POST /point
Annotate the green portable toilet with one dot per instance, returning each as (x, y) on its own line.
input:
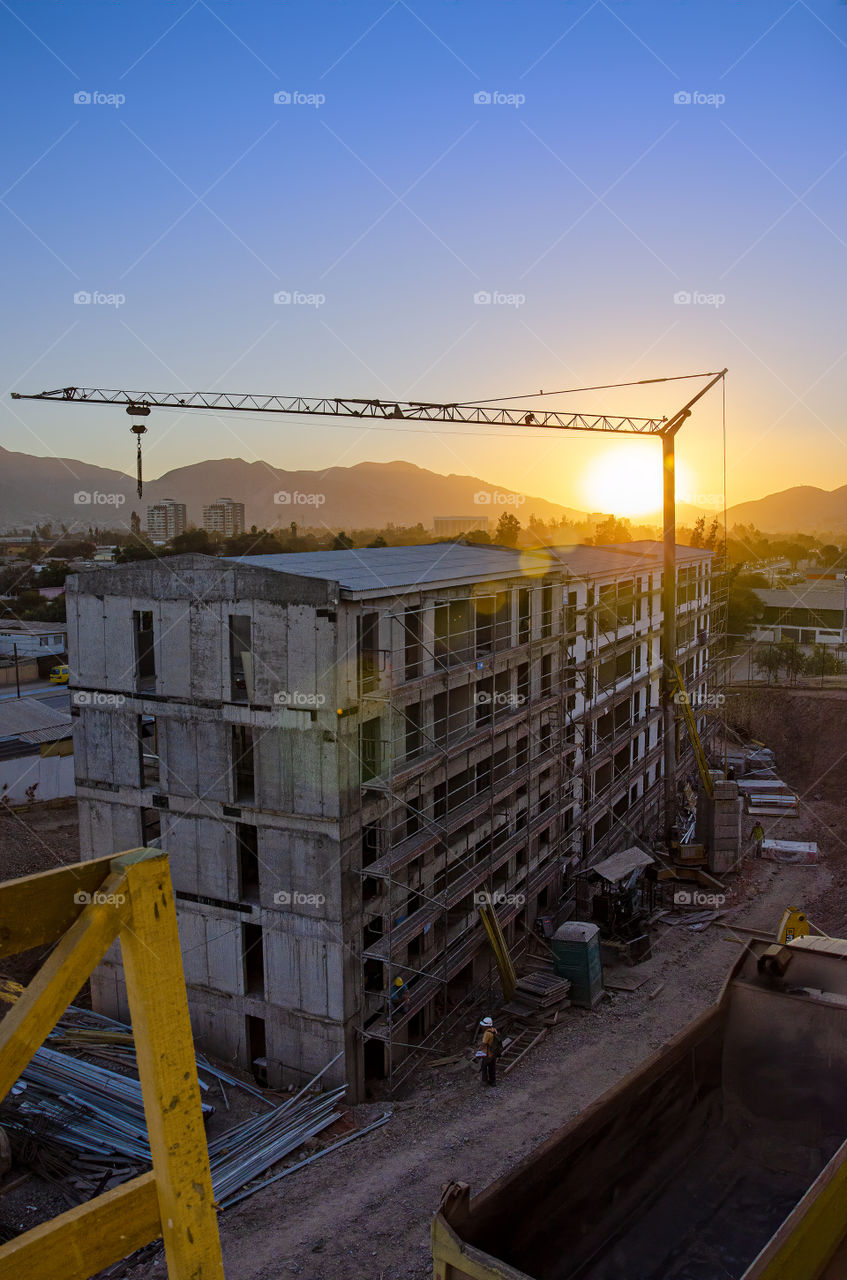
(576, 956)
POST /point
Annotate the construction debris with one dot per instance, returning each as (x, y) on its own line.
(799, 853)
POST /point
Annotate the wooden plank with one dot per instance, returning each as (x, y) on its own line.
(38, 1009)
(155, 986)
(89, 1237)
(38, 909)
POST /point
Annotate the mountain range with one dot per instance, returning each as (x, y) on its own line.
(367, 495)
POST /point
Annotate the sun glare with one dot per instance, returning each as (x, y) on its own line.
(627, 481)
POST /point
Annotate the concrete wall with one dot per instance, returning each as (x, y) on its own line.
(54, 776)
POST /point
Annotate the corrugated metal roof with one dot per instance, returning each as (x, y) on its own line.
(52, 733)
(389, 568)
(27, 715)
(803, 596)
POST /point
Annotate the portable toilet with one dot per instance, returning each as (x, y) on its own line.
(576, 956)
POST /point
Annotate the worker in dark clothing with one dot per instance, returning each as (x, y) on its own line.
(491, 1049)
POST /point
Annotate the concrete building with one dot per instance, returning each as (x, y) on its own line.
(166, 519)
(454, 526)
(225, 517)
(812, 613)
(341, 750)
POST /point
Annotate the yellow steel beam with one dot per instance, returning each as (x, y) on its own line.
(36, 1012)
(167, 1068)
(506, 969)
(38, 909)
(78, 1244)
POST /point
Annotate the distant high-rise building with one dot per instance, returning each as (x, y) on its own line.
(452, 526)
(225, 517)
(135, 523)
(166, 519)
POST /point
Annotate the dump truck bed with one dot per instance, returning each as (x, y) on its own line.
(721, 1158)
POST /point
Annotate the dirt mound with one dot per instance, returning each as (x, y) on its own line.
(807, 729)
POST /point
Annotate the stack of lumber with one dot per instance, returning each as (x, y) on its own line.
(538, 995)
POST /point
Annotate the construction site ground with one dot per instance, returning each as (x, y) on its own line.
(363, 1213)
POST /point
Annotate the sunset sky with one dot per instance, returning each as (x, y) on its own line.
(581, 163)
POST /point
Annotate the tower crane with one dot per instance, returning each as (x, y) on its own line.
(138, 405)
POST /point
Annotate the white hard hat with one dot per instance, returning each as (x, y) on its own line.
(486, 1022)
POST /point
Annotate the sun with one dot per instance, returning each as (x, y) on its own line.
(626, 480)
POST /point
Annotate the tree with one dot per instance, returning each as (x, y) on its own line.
(258, 542)
(341, 542)
(793, 659)
(612, 530)
(712, 538)
(743, 606)
(508, 528)
(823, 662)
(378, 541)
(768, 660)
(698, 533)
(200, 541)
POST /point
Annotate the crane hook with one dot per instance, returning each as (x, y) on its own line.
(138, 429)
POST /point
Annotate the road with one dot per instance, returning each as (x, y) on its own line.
(52, 695)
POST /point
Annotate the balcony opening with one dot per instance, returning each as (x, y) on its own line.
(247, 842)
(240, 658)
(367, 638)
(151, 828)
(148, 750)
(144, 650)
(243, 772)
(257, 1049)
(253, 957)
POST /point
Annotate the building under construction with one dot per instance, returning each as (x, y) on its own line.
(341, 751)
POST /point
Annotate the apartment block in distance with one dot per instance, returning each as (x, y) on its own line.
(225, 517)
(166, 519)
(341, 751)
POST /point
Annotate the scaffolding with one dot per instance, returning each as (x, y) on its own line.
(507, 736)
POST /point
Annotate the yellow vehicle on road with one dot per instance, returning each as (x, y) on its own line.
(59, 675)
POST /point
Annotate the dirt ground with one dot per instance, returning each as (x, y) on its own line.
(363, 1213)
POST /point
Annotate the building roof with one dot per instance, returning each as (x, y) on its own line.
(33, 628)
(23, 717)
(389, 568)
(803, 596)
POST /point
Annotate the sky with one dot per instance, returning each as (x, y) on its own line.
(438, 200)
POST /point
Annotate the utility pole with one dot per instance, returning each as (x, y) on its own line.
(17, 673)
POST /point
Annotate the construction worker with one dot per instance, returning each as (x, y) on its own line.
(758, 834)
(491, 1049)
(398, 994)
